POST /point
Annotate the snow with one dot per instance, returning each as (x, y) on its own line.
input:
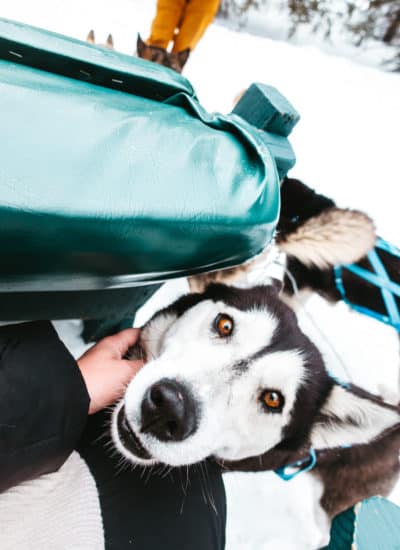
(272, 20)
(347, 147)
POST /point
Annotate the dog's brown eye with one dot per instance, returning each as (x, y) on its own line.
(223, 325)
(272, 400)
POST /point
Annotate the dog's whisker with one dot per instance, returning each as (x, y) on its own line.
(184, 487)
(207, 485)
(165, 471)
(202, 484)
(150, 471)
(187, 478)
(122, 465)
(210, 495)
(109, 445)
(102, 436)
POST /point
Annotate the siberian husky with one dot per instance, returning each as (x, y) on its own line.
(231, 377)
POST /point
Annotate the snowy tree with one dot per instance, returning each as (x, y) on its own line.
(377, 19)
(230, 8)
(360, 20)
(366, 19)
(320, 15)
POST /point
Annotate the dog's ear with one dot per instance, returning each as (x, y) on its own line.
(110, 42)
(153, 332)
(336, 236)
(141, 46)
(351, 416)
(90, 37)
(183, 56)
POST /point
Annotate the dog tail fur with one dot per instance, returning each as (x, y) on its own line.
(336, 236)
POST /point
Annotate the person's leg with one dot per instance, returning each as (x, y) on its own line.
(168, 16)
(197, 17)
(181, 509)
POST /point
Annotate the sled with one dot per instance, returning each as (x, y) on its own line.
(373, 524)
(114, 179)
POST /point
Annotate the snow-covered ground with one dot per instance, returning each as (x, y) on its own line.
(347, 147)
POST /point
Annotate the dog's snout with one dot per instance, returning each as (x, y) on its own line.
(168, 411)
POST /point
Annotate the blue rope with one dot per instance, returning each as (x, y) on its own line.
(381, 279)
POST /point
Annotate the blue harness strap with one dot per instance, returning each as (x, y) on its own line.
(290, 471)
(389, 289)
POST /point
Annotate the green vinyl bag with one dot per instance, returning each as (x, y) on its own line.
(113, 178)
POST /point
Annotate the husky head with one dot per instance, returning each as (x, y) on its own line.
(172, 60)
(230, 375)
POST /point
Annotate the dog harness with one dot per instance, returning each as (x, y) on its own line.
(306, 464)
(379, 277)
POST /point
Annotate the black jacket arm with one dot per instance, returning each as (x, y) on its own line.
(43, 402)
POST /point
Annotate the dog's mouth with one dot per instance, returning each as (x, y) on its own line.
(128, 437)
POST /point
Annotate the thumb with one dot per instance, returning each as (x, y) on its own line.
(124, 340)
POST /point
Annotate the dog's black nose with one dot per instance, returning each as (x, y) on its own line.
(168, 411)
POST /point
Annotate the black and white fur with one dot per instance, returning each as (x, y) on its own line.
(316, 236)
(216, 384)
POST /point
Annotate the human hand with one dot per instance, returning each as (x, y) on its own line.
(104, 370)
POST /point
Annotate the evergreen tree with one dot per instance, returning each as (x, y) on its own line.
(230, 8)
(363, 19)
(318, 14)
(379, 20)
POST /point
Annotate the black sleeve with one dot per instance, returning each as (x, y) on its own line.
(43, 402)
